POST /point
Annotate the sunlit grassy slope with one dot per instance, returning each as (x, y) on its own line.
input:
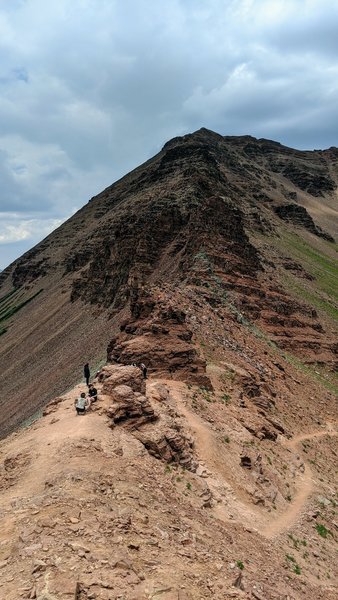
(11, 303)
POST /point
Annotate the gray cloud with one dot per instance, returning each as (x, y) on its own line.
(91, 88)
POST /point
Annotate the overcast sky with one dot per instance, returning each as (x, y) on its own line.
(89, 89)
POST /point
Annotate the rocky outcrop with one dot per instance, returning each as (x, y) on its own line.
(314, 180)
(130, 408)
(169, 445)
(115, 376)
(157, 335)
(165, 236)
(126, 388)
(298, 215)
(25, 272)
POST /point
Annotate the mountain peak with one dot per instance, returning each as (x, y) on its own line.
(208, 208)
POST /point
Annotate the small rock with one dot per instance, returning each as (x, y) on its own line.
(39, 565)
(324, 501)
(74, 520)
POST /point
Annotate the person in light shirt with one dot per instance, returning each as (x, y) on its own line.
(82, 404)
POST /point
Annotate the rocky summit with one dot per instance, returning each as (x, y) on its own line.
(214, 265)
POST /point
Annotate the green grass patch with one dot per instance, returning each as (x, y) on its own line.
(313, 297)
(290, 558)
(8, 295)
(206, 394)
(225, 398)
(9, 302)
(322, 530)
(14, 308)
(296, 362)
(295, 567)
(320, 265)
(322, 292)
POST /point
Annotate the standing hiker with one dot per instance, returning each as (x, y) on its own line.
(82, 404)
(144, 370)
(86, 372)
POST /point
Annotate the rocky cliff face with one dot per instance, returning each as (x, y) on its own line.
(299, 216)
(158, 335)
(245, 224)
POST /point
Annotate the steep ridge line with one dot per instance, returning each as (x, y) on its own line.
(199, 218)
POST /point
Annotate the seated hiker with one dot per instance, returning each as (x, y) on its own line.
(82, 404)
(92, 392)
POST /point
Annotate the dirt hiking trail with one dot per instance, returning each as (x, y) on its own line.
(64, 427)
(306, 486)
(269, 527)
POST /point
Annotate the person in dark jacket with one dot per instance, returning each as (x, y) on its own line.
(144, 370)
(86, 372)
(92, 392)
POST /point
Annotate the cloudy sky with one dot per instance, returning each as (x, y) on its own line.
(89, 89)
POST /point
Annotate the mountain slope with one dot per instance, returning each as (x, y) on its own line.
(224, 215)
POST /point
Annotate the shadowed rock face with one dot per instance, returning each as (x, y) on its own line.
(170, 232)
(299, 216)
(314, 179)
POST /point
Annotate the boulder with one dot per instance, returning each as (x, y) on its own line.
(158, 392)
(118, 375)
(133, 409)
(169, 445)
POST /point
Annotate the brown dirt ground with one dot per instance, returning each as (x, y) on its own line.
(86, 512)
